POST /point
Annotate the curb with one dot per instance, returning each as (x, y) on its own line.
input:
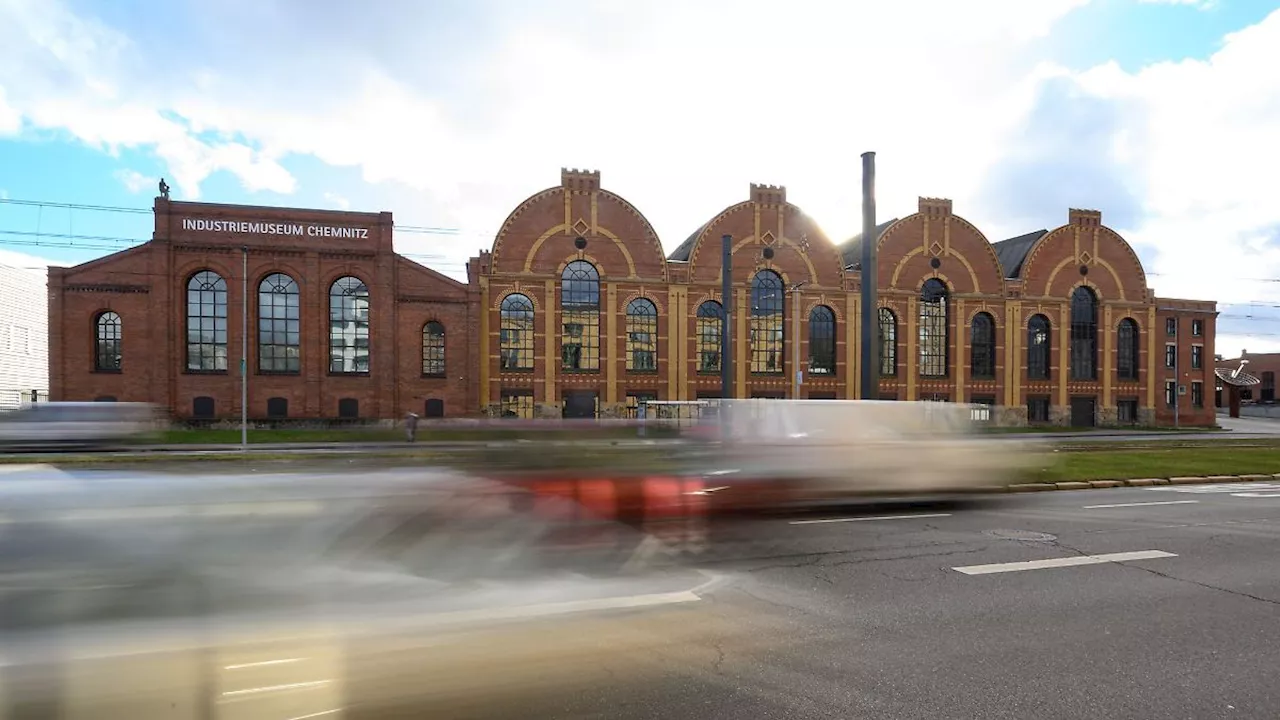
(1137, 482)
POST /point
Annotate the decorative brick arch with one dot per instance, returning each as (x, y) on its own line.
(578, 208)
(1085, 242)
(908, 246)
(516, 289)
(647, 294)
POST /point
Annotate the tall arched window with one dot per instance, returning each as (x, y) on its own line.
(1084, 334)
(642, 335)
(580, 314)
(206, 322)
(1127, 349)
(888, 343)
(348, 326)
(710, 325)
(822, 341)
(433, 349)
(982, 344)
(515, 344)
(107, 343)
(279, 330)
(935, 315)
(1038, 344)
(767, 296)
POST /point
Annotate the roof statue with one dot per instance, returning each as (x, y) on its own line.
(164, 189)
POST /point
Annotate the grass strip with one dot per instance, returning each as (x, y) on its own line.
(1157, 463)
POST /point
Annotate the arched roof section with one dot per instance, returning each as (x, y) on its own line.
(801, 251)
(541, 234)
(1083, 250)
(934, 242)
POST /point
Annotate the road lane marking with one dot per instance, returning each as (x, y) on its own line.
(1063, 562)
(1141, 504)
(869, 519)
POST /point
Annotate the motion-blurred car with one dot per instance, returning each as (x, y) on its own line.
(77, 424)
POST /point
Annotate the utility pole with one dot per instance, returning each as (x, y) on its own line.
(870, 316)
(726, 330)
(797, 376)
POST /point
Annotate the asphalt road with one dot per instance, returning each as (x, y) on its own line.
(867, 616)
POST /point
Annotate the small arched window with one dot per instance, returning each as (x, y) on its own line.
(433, 349)
(107, 341)
(642, 335)
(822, 341)
(1127, 349)
(982, 344)
(767, 296)
(206, 322)
(279, 328)
(935, 335)
(1084, 334)
(515, 343)
(710, 327)
(348, 326)
(1038, 344)
(888, 343)
(580, 315)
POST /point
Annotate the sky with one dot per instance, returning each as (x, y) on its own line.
(1159, 113)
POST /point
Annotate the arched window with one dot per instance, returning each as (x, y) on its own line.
(710, 325)
(1127, 349)
(348, 326)
(1084, 334)
(206, 322)
(983, 346)
(888, 343)
(767, 296)
(515, 343)
(822, 341)
(580, 314)
(106, 343)
(1038, 344)
(642, 335)
(433, 349)
(279, 330)
(935, 315)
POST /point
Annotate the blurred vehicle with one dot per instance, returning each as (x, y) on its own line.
(135, 595)
(77, 424)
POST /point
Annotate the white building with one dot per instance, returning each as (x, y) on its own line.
(24, 331)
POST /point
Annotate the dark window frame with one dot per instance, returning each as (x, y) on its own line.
(1039, 347)
(108, 342)
(768, 335)
(935, 327)
(279, 312)
(888, 339)
(580, 318)
(982, 346)
(433, 350)
(350, 335)
(642, 336)
(1128, 347)
(822, 341)
(1084, 334)
(517, 325)
(709, 327)
(206, 317)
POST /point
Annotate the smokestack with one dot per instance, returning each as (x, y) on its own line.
(726, 329)
(870, 317)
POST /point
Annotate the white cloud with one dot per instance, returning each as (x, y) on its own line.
(4, 194)
(10, 118)
(1201, 4)
(337, 201)
(135, 181)
(28, 262)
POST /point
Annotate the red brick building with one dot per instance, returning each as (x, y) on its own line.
(338, 324)
(576, 310)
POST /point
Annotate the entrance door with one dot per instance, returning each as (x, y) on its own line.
(580, 404)
(1083, 411)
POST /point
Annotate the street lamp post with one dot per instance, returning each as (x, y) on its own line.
(796, 375)
(244, 349)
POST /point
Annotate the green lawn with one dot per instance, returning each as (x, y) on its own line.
(1163, 463)
(367, 435)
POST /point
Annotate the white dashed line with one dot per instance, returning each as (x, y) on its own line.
(1073, 561)
(868, 519)
(1142, 504)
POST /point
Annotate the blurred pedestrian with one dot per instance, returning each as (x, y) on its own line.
(410, 426)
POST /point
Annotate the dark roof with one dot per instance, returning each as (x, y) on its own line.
(685, 249)
(1013, 252)
(851, 249)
